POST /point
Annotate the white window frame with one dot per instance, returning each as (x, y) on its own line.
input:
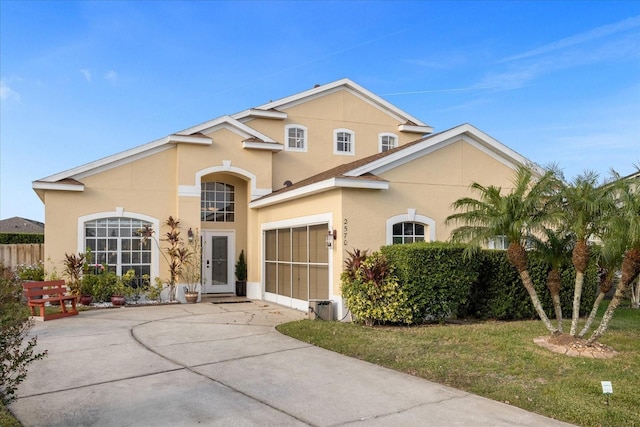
(381, 136)
(411, 216)
(352, 151)
(120, 213)
(498, 242)
(304, 138)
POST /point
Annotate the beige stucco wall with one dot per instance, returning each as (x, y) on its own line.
(146, 186)
(150, 186)
(429, 185)
(321, 117)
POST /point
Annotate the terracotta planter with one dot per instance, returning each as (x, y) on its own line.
(117, 300)
(191, 297)
(86, 299)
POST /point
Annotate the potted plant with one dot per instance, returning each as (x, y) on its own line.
(86, 288)
(119, 288)
(241, 275)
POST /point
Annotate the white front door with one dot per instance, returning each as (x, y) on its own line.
(218, 254)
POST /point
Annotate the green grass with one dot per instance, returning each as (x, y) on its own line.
(499, 360)
(6, 418)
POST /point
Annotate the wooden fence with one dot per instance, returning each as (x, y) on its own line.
(13, 255)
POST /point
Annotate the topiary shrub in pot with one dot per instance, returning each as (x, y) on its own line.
(241, 275)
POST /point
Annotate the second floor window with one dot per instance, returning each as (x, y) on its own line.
(344, 142)
(387, 142)
(217, 202)
(296, 138)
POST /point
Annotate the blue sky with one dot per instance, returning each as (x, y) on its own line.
(555, 81)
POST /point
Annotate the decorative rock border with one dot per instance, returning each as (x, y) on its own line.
(577, 347)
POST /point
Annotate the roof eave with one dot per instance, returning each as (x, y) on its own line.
(319, 187)
(257, 113)
(265, 146)
(422, 130)
(57, 186)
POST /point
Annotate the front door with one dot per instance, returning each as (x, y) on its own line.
(218, 253)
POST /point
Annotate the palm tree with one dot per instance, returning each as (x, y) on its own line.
(584, 205)
(625, 224)
(554, 249)
(609, 257)
(515, 215)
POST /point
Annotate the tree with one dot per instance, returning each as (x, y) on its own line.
(584, 205)
(624, 225)
(609, 256)
(517, 215)
(554, 249)
(15, 354)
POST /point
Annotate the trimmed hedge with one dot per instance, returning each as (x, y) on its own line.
(499, 293)
(442, 283)
(436, 276)
(18, 238)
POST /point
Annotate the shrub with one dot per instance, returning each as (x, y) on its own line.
(20, 238)
(499, 293)
(436, 277)
(15, 354)
(371, 291)
(31, 272)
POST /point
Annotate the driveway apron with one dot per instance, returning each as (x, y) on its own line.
(225, 365)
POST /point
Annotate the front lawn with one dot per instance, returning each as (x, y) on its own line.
(500, 361)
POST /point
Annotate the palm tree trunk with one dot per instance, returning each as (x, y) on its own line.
(580, 257)
(517, 256)
(577, 297)
(553, 284)
(606, 282)
(528, 284)
(592, 315)
(630, 270)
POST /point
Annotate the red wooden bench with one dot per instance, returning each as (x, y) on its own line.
(40, 293)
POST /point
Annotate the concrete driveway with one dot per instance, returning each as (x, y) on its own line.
(225, 365)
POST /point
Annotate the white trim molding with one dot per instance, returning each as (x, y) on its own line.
(195, 190)
(319, 187)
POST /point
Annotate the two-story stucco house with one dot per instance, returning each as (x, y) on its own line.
(295, 183)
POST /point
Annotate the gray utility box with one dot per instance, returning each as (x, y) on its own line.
(320, 309)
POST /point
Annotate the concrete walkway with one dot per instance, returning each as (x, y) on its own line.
(225, 365)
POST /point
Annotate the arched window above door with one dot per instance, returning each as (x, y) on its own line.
(217, 202)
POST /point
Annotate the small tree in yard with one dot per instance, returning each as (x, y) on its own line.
(584, 207)
(15, 354)
(177, 255)
(518, 214)
(623, 225)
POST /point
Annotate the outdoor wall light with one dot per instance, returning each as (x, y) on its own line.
(331, 236)
(190, 235)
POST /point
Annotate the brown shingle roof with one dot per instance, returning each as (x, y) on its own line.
(21, 225)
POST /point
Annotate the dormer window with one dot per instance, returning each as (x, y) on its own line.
(296, 138)
(387, 141)
(344, 142)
